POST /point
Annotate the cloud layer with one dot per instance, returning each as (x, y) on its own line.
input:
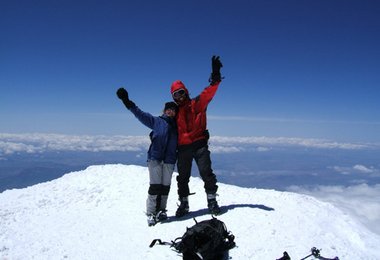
(361, 201)
(36, 143)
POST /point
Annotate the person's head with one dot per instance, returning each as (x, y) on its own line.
(179, 92)
(170, 109)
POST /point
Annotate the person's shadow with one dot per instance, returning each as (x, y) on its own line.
(223, 210)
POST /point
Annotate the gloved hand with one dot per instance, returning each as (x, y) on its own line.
(123, 95)
(216, 64)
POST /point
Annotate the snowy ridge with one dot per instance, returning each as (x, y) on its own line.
(98, 213)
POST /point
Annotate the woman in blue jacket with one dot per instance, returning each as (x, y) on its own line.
(162, 154)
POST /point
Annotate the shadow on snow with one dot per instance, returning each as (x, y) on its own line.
(223, 210)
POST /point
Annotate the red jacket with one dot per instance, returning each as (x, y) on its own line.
(191, 117)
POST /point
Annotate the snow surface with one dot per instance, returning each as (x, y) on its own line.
(98, 213)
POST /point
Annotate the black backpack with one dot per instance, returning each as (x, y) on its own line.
(207, 240)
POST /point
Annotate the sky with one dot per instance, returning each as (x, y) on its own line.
(98, 213)
(302, 69)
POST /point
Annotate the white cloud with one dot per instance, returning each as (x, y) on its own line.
(361, 201)
(341, 170)
(35, 143)
(263, 149)
(225, 149)
(285, 141)
(356, 169)
(362, 168)
(14, 147)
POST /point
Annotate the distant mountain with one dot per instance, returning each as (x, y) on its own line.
(98, 213)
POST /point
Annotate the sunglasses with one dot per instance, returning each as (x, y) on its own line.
(179, 93)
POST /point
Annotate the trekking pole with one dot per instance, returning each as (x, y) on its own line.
(306, 257)
(314, 252)
(324, 258)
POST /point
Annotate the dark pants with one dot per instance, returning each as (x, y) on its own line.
(200, 153)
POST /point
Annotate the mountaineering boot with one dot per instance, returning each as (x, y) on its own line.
(151, 220)
(212, 204)
(161, 216)
(183, 208)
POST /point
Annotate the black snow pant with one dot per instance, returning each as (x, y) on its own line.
(200, 153)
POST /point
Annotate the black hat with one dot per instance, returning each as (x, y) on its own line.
(171, 105)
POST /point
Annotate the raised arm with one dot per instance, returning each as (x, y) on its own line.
(145, 118)
(215, 78)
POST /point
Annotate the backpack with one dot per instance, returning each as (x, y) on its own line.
(207, 240)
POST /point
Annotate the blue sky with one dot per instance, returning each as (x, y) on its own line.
(308, 69)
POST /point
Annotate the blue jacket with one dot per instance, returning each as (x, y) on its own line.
(164, 135)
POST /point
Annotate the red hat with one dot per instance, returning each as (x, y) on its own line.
(177, 85)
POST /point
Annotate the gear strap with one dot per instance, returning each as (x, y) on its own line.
(160, 242)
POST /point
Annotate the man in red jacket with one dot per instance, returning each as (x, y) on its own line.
(193, 139)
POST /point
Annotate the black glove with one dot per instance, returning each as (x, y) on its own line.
(123, 95)
(215, 74)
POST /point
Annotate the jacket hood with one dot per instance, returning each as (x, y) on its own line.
(177, 85)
